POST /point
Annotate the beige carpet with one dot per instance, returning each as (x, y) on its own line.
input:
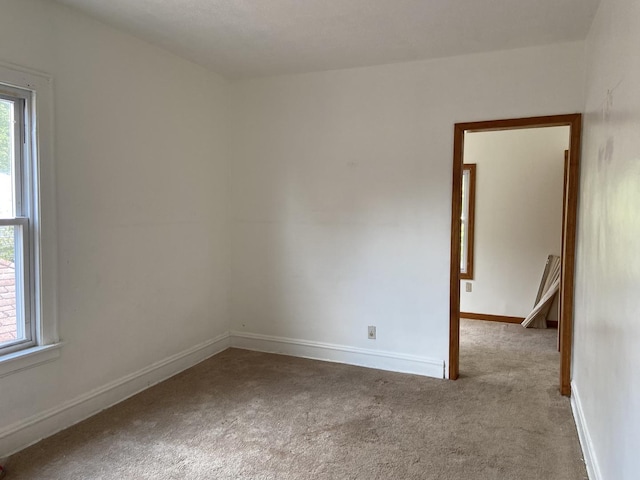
(248, 415)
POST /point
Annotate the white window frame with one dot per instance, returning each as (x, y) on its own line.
(24, 196)
(40, 228)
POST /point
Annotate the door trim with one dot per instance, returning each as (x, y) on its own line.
(574, 121)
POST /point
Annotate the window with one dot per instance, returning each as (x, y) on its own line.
(16, 205)
(467, 220)
(28, 333)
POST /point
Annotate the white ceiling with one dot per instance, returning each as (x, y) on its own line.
(247, 38)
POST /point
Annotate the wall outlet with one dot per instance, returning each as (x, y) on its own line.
(372, 333)
(467, 287)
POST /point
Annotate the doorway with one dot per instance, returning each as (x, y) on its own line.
(565, 326)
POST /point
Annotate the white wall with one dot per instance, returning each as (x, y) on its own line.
(518, 216)
(341, 191)
(606, 382)
(140, 150)
(340, 186)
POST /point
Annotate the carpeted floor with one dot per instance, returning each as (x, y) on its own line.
(249, 415)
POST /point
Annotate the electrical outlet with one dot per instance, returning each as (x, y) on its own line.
(468, 286)
(372, 333)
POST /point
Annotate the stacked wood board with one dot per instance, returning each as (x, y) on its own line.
(549, 286)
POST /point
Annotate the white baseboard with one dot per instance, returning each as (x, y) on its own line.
(21, 434)
(381, 360)
(590, 459)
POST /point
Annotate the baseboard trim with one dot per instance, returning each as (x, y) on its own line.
(362, 357)
(590, 459)
(491, 318)
(20, 435)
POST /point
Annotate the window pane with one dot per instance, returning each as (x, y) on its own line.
(466, 220)
(463, 220)
(10, 329)
(465, 199)
(463, 250)
(7, 147)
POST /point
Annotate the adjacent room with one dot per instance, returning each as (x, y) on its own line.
(517, 222)
(228, 247)
(514, 186)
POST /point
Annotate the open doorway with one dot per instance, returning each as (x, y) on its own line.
(567, 250)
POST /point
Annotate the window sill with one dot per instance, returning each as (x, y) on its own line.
(27, 358)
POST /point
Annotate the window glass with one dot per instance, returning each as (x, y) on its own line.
(7, 154)
(467, 220)
(16, 242)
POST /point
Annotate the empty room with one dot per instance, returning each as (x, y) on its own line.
(232, 240)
